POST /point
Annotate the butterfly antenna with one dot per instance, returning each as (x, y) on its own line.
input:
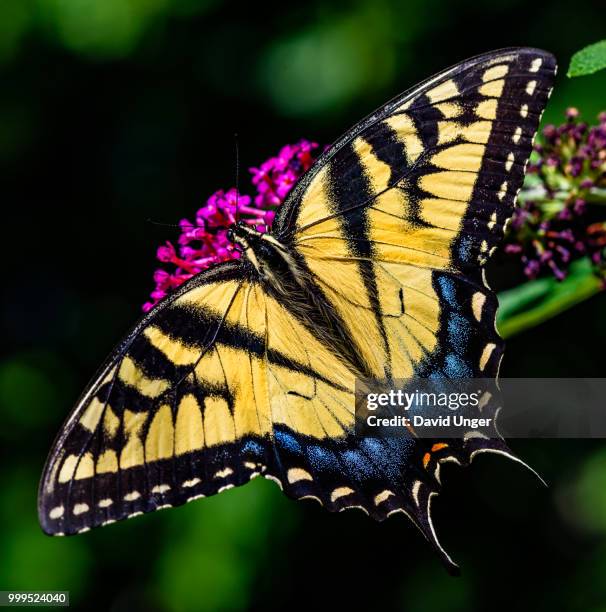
(161, 223)
(237, 173)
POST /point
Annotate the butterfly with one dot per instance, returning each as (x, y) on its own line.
(373, 269)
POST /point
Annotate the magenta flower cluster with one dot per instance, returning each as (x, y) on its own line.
(204, 241)
(560, 214)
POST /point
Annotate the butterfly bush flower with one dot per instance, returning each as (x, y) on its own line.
(204, 241)
(560, 216)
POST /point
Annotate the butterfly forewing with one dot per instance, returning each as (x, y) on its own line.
(405, 210)
(187, 405)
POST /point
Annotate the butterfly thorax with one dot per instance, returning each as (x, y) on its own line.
(270, 260)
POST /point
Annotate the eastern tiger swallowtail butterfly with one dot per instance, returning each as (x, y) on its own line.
(373, 268)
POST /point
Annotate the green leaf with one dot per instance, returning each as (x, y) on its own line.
(588, 60)
(536, 301)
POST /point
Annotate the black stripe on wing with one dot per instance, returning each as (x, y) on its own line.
(349, 191)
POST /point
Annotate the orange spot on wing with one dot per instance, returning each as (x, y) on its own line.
(438, 446)
(426, 459)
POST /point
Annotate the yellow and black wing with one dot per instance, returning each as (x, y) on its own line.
(186, 406)
(394, 224)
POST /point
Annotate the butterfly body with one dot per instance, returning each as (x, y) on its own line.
(269, 259)
(270, 262)
(373, 269)
(284, 275)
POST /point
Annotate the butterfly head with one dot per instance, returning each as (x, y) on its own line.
(243, 235)
(249, 242)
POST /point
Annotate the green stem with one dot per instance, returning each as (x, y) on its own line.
(537, 301)
(597, 196)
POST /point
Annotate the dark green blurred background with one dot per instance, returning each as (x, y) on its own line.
(116, 111)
